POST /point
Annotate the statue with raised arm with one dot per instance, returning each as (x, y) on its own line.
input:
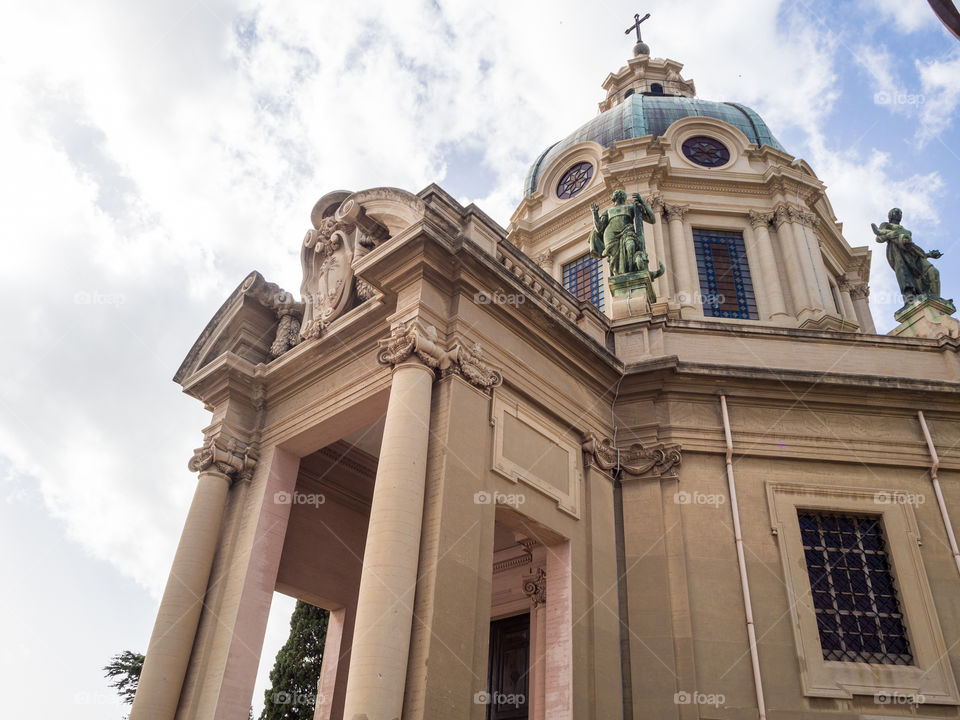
(916, 275)
(618, 235)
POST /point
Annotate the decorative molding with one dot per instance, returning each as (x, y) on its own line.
(781, 215)
(228, 456)
(535, 587)
(423, 341)
(533, 283)
(513, 562)
(654, 461)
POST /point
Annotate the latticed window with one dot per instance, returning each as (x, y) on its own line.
(725, 286)
(584, 278)
(854, 597)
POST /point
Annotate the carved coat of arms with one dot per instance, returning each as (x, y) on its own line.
(327, 259)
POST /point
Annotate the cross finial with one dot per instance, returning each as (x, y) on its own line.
(636, 25)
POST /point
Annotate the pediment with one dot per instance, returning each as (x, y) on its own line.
(245, 325)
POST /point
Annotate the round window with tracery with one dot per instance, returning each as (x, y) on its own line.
(574, 180)
(706, 151)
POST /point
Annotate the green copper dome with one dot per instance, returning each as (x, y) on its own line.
(640, 115)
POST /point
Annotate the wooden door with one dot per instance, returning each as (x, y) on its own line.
(508, 688)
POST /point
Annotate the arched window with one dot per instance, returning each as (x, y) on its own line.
(628, 93)
(656, 89)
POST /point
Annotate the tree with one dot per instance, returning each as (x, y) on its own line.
(123, 671)
(296, 671)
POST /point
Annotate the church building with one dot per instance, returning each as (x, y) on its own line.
(641, 454)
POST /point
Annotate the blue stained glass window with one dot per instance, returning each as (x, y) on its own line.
(854, 598)
(725, 286)
(584, 278)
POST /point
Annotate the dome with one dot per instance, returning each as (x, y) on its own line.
(640, 115)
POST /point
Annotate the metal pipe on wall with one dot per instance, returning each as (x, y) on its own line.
(934, 467)
(741, 561)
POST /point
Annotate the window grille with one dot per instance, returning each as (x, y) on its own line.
(854, 597)
(584, 278)
(725, 286)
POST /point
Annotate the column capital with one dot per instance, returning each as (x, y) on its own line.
(656, 202)
(760, 219)
(675, 212)
(413, 339)
(225, 455)
(859, 291)
(781, 215)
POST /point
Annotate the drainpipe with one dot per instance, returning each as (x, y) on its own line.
(741, 561)
(935, 459)
(626, 674)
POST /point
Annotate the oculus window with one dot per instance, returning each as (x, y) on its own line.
(584, 278)
(725, 286)
(858, 612)
(574, 180)
(706, 151)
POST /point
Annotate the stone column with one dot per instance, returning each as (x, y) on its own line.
(791, 257)
(684, 289)
(545, 261)
(388, 580)
(767, 265)
(535, 588)
(808, 259)
(661, 284)
(849, 312)
(381, 641)
(859, 294)
(165, 665)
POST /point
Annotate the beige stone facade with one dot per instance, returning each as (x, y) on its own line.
(439, 435)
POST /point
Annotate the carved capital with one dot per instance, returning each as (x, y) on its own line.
(859, 291)
(760, 219)
(781, 215)
(545, 260)
(675, 212)
(656, 202)
(639, 460)
(227, 456)
(535, 587)
(423, 342)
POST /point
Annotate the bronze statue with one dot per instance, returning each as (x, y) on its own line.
(916, 275)
(618, 235)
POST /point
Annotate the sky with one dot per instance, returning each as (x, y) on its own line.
(154, 154)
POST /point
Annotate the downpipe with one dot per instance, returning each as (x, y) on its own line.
(741, 561)
(934, 468)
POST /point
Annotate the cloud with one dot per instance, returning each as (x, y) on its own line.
(940, 87)
(907, 16)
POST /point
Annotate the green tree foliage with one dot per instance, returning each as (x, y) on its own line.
(123, 671)
(293, 680)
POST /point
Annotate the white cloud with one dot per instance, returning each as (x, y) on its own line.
(940, 87)
(907, 16)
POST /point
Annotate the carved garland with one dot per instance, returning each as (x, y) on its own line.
(423, 342)
(655, 461)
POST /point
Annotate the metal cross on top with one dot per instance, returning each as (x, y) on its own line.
(636, 25)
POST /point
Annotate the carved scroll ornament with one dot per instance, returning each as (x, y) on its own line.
(638, 459)
(535, 587)
(422, 341)
(227, 456)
